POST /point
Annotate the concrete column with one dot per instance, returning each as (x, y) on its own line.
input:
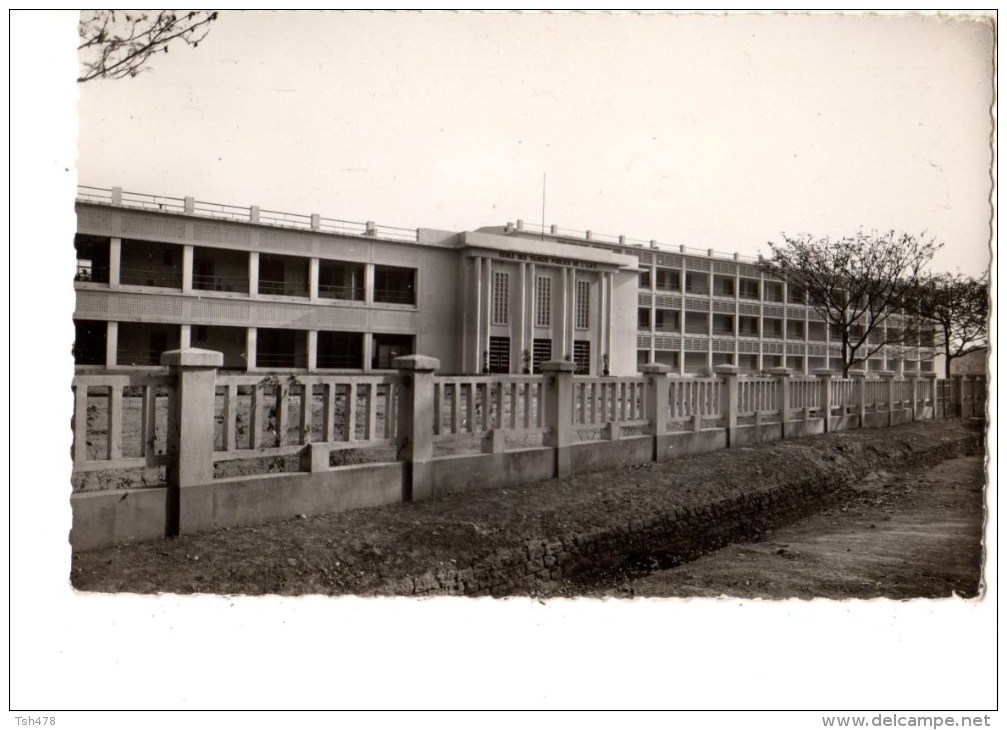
(251, 345)
(487, 310)
(656, 403)
(116, 196)
(111, 343)
(312, 350)
(610, 285)
(572, 312)
(825, 376)
(253, 274)
(860, 376)
(522, 316)
(185, 336)
(889, 376)
(190, 439)
(189, 204)
(114, 262)
(479, 315)
(368, 351)
(729, 402)
(313, 279)
(565, 298)
(783, 396)
(652, 355)
(532, 304)
(187, 252)
(368, 284)
(558, 389)
(416, 418)
(253, 214)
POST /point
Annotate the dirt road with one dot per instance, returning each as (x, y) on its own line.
(917, 534)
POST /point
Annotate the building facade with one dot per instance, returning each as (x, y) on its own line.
(279, 291)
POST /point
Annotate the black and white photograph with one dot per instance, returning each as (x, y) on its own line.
(435, 342)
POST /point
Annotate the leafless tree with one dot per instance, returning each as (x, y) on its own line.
(119, 44)
(855, 283)
(958, 308)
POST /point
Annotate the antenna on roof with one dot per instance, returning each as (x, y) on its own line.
(543, 206)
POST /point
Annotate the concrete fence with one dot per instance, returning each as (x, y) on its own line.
(194, 419)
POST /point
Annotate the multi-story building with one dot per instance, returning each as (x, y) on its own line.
(279, 291)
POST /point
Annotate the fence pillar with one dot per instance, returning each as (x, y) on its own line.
(968, 396)
(559, 412)
(956, 397)
(860, 376)
(782, 397)
(189, 204)
(914, 379)
(825, 376)
(656, 400)
(190, 439)
(889, 376)
(416, 424)
(932, 392)
(729, 405)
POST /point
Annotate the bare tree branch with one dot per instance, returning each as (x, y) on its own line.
(958, 309)
(856, 283)
(119, 44)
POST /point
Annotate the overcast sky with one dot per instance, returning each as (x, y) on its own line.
(715, 132)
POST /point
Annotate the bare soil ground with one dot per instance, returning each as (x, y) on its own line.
(911, 535)
(369, 551)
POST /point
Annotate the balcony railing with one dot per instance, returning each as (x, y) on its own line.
(395, 296)
(331, 291)
(270, 287)
(220, 283)
(150, 277)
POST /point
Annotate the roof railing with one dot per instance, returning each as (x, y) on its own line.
(242, 214)
(589, 237)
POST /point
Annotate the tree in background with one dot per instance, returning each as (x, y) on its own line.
(855, 283)
(958, 307)
(119, 44)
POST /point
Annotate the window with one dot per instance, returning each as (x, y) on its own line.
(543, 301)
(668, 280)
(540, 353)
(394, 285)
(643, 319)
(499, 358)
(583, 305)
(582, 357)
(645, 280)
(501, 297)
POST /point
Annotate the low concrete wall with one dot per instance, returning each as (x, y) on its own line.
(596, 455)
(844, 423)
(247, 500)
(113, 517)
(876, 420)
(703, 442)
(901, 416)
(811, 427)
(752, 435)
(451, 474)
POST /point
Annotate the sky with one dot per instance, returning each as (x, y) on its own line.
(704, 130)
